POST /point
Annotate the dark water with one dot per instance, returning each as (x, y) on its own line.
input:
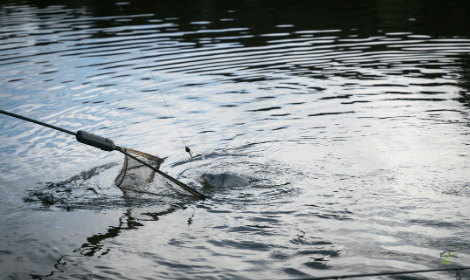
(350, 118)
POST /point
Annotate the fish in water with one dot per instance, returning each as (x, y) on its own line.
(224, 180)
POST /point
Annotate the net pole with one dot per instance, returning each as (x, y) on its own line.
(107, 145)
(37, 122)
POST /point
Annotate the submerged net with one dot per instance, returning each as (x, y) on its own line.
(136, 179)
(134, 176)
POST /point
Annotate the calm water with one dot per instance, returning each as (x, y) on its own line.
(351, 120)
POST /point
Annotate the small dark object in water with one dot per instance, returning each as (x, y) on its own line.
(93, 190)
(224, 180)
(48, 200)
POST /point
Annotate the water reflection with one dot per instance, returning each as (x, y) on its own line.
(464, 80)
(96, 244)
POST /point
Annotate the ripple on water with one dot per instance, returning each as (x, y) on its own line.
(352, 133)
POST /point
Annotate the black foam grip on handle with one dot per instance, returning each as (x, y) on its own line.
(104, 144)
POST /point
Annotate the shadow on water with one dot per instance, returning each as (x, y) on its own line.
(94, 247)
(464, 80)
(63, 193)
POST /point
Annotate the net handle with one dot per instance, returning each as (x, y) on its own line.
(106, 145)
(184, 186)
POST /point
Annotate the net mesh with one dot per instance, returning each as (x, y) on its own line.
(135, 177)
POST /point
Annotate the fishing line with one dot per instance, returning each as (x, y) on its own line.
(155, 80)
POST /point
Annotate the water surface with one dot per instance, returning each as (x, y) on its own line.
(351, 120)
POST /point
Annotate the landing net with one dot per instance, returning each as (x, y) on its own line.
(136, 179)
